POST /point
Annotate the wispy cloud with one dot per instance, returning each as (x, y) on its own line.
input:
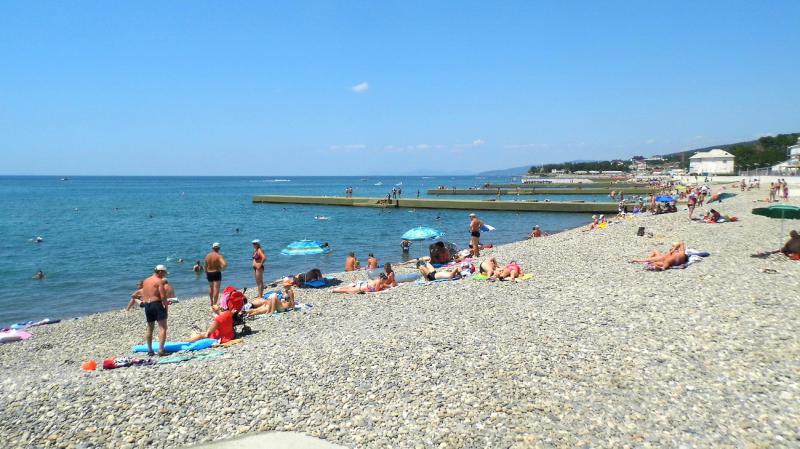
(361, 88)
(478, 142)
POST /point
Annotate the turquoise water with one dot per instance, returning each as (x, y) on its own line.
(102, 234)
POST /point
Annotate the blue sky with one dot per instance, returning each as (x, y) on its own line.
(325, 87)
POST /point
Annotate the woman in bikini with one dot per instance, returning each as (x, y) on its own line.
(276, 302)
(258, 265)
(372, 286)
(512, 271)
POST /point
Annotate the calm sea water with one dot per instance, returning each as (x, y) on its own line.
(103, 234)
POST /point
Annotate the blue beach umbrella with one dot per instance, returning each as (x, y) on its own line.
(664, 199)
(305, 248)
(487, 227)
(422, 233)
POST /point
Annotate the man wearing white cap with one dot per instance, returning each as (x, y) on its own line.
(215, 264)
(475, 234)
(154, 300)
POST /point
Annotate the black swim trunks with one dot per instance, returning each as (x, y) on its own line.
(475, 233)
(214, 276)
(154, 311)
(431, 276)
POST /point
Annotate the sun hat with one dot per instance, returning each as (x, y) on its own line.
(216, 245)
(161, 268)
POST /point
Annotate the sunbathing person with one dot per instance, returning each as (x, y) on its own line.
(310, 275)
(221, 328)
(439, 253)
(489, 267)
(511, 271)
(712, 216)
(136, 297)
(275, 302)
(372, 286)
(674, 257)
(791, 249)
(390, 278)
(431, 273)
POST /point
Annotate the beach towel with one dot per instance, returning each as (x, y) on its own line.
(483, 277)
(28, 324)
(125, 362)
(176, 346)
(12, 335)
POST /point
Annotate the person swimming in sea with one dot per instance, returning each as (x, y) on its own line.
(39, 275)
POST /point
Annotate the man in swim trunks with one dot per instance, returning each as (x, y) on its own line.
(372, 262)
(475, 234)
(676, 255)
(214, 264)
(430, 272)
(154, 298)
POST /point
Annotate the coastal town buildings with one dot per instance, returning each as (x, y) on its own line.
(713, 162)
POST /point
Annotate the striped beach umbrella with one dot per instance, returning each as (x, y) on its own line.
(305, 248)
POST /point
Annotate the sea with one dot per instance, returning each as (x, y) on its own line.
(100, 235)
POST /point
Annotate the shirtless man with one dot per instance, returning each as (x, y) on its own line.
(675, 256)
(475, 234)
(350, 262)
(372, 262)
(215, 264)
(154, 298)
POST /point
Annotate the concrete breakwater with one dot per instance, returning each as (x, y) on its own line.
(467, 204)
(530, 190)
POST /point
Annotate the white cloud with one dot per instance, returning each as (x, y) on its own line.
(478, 142)
(361, 88)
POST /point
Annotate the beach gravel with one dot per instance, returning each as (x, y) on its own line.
(592, 352)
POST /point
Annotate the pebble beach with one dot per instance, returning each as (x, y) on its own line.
(593, 351)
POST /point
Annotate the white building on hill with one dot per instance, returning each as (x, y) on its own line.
(792, 165)
(714, 162)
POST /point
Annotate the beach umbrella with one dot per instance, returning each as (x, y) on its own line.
(422, 233)
(487, 227)
(721, 196)
(305, 248)
(664, 199)
(782, 211)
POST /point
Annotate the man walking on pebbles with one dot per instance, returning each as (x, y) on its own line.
(154, 298)
(215, 263)
(475, 234)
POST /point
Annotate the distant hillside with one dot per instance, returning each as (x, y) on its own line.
(516, 171)
(764, 152)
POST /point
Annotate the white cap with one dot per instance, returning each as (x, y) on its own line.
(472, 215)
(216, 245)
(161, 268)
(256, 241)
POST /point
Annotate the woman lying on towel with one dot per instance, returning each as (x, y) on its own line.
(672, 258)
(430, 272)
(275, 301)
(373, 286)
(221, 327)
(511, 271)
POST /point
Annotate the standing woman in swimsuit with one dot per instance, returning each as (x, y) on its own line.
(259, 258)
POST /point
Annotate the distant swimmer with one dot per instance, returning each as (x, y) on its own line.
(76, 209)
(215, 263)
(39, 275)
(237, 230)
(38, 239)
(180, 260)
(321, 217)
(197, 268)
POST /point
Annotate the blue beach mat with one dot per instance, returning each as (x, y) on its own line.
(175, 346)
